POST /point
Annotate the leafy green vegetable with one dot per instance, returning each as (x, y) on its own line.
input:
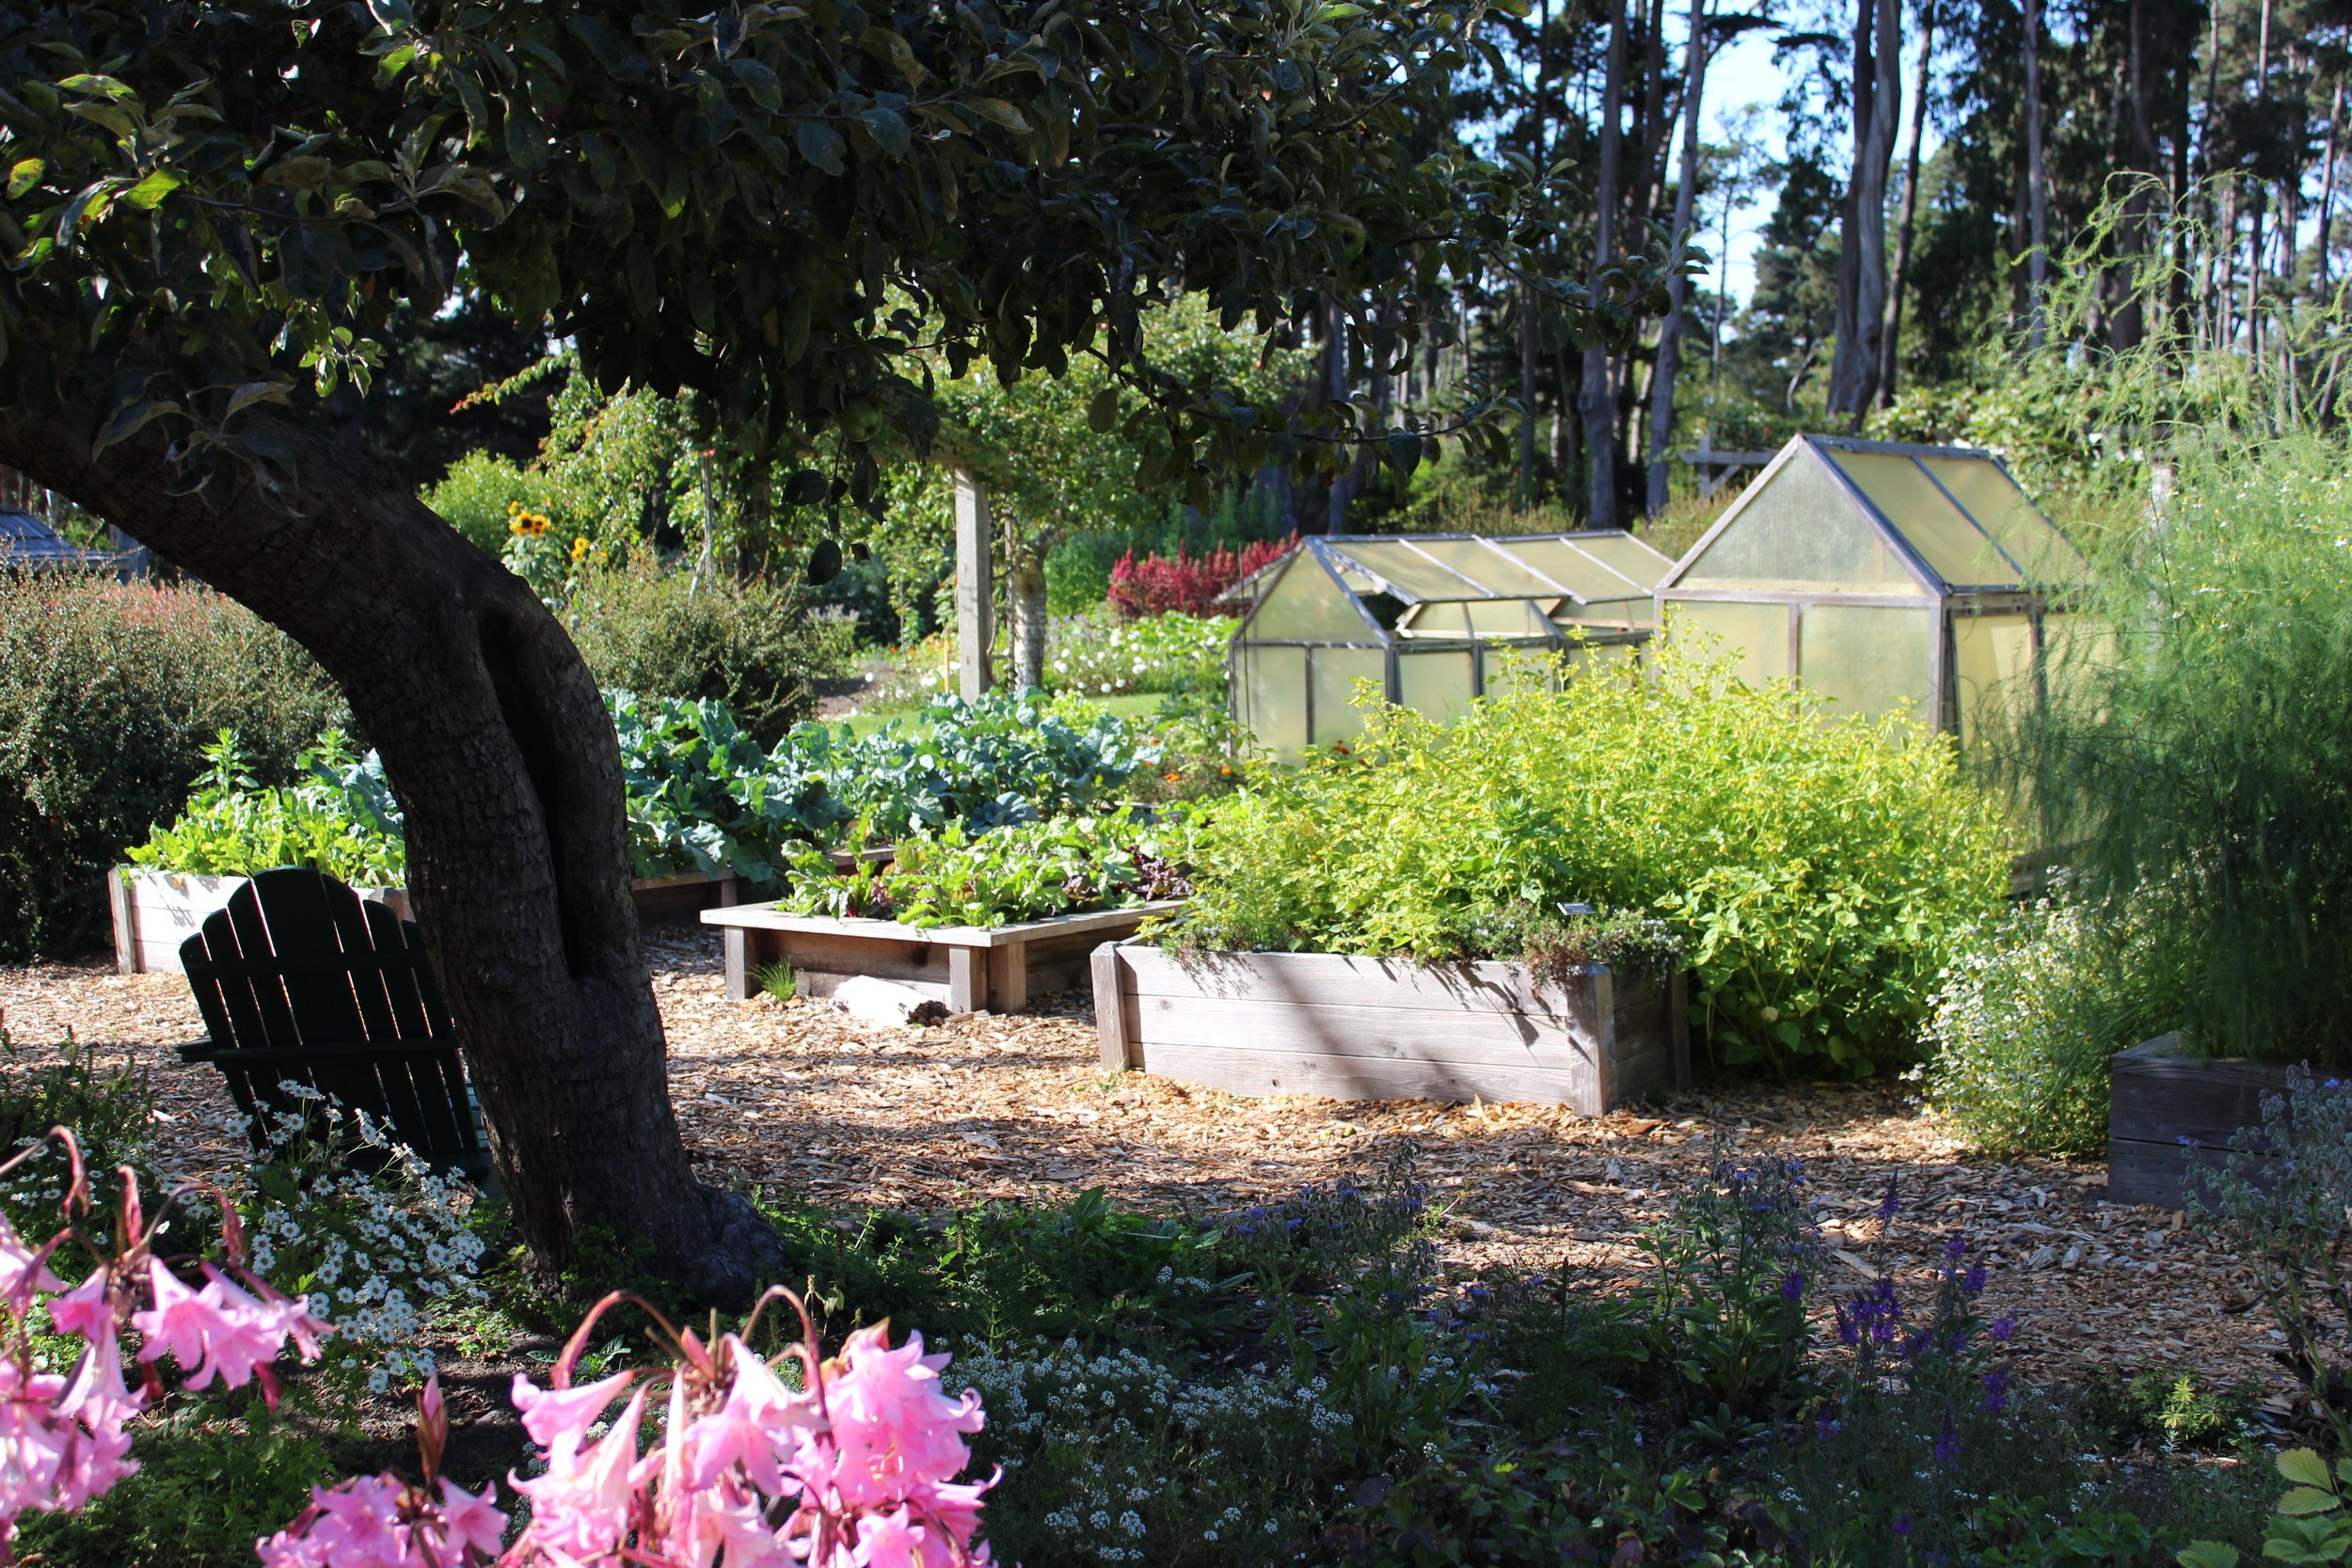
(1028, 872)
(340, 817)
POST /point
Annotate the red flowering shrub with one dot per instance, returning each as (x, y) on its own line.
(1190, 583)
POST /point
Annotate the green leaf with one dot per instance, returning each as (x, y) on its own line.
(1002, 112)
(104, 86)
(2303, 1502)
(889, 130)
(128, 419)
(1103, 411)
(759, 82)
(252, 392)
(22, 174)
(2303, 1467)
(152, 189)
(2206, 1554)
(822, 145)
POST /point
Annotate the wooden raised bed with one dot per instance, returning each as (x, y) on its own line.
(1357, 1028)
(155, 912)
(970, 968)
(2171, 1114)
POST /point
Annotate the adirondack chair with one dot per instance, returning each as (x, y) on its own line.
(298, 980)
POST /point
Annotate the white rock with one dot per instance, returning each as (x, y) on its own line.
(877, 1001)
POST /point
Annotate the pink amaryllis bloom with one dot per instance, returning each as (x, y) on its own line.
(222, 1330)
(384, 1522)
(62, 1439)
(582, 1507)
(88, 1308)
(897, 1432)
(23, 1271)
(557, 1418)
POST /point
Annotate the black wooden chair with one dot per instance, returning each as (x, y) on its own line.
(300, 980)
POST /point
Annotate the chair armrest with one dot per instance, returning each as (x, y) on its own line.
(330, 1050)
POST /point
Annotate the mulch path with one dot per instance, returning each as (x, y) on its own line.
(803, 1099)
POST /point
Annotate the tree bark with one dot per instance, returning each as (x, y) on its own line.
(2037, 206)
(1596, 398)
(1890, 342)
(497, 742)
(1862, 239)
(1027, 589)
(1669, 361)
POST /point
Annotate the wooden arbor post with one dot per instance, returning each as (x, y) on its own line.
(974, 613)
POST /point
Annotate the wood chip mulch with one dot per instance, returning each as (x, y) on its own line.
(805, 1099)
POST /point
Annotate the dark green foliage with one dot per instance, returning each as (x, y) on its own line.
(2175, 1406)
(753, 645)
(2201, 762)
(106, 1107)
(108, 694)
(215, 1474)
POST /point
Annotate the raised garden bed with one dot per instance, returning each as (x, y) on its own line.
(969, 968)
(2171, 1114)
(155, 912)
(1356, 1028)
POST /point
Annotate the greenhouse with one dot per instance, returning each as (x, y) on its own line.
(1885, 575)
(1427, 618)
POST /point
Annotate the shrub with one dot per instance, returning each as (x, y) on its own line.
(1184, 582)
(1025, 872)
(2025, 1019)
(1817, 872)
(108, 694)
(2206, 749)
(480, 495)
(751, 645)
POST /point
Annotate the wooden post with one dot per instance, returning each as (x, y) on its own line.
(975, 616)
(1111, 1012)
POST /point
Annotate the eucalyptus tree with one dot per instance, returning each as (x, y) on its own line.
(210, 207)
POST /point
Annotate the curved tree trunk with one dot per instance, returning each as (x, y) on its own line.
(498, 744)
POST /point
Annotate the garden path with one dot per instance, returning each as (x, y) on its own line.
(801, 1097)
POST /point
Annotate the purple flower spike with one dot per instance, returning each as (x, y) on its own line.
(1972, 1281)
(1792, 1288)
(1948, 1445)
(1902, 1523)
(1888, 1203)
(1996, 1391)
(1955, 1248)
(2003, 1328)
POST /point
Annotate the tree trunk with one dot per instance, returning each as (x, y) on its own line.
(1669, 362)
(1027, 589)
(1891, 342)
(1862, 240)
(2037, 207)
(2328, 194)
(1596, 397)
(497, 742)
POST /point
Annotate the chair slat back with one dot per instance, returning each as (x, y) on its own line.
(297, 960)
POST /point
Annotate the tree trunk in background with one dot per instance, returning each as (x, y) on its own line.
(1891, 342)
(2327, 186)
(1530, 338)
(1596, 397)
(497, 742)
(2037, 205)
(2128, 325)
(1025, 586)
(1669, 363)
(1853, 372)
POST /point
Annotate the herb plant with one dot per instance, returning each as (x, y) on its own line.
(1817, 872)
(338, 817)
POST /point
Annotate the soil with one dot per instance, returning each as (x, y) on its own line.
(801, 1098)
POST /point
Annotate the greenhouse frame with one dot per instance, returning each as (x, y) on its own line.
(1422, 616)
(1880, 573)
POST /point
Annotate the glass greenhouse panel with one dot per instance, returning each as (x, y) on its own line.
(1866, 658)
(1586, 575)
(1756, 634)
(1436, 684)
(1514, 619)
(1490, 569)
(1623, 552)
(1641, 613)
(1306, 606)
(1961, 552)
(1333, 673)
(1802, 532)
(1994, 500)
(1273, 691)
(1992, 663)
(1415, 574)
(1449, 621)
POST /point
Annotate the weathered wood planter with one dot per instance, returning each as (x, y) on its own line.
(155, 912)
(2171, 1115)
(967, 967)
(1389, 1029)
